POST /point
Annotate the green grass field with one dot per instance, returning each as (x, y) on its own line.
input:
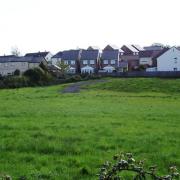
(45, 134)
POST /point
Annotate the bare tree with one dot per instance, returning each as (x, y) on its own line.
(15, 51)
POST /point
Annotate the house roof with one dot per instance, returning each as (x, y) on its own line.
(139, 48)
(58, 55)
(161, 53)
(93, 48)
(71, 54)
(8, 56)
(89, 54)
(131, 48)
(153, 48)
(37, 54)
(114, 54)
(111, 47)
(149, 53)
(6, 59)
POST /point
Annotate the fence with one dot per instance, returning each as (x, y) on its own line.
(163, 74)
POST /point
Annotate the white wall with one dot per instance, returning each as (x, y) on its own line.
(55, 61)
(169, 60)
(9, 67)
(145, 60)
(33, 65)
(48, 57)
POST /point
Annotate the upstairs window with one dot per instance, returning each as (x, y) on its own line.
(113, 62)
(92, 62)
(73, 62)
(85, 62)
(105, 61)
(65, 62)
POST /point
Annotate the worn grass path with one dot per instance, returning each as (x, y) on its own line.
(45, 134)
(76, 87)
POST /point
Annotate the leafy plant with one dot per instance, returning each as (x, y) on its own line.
(126, 162)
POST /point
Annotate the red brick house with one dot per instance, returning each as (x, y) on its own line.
(131, 56)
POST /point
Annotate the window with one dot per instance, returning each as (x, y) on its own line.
(135, 53)
(105, 61)
(113, 62)
(65, 62)
(72, 62)
(85, 62)
(92, 62)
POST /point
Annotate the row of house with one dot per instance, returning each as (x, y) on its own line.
(93, 60)
(9, 64)
(126, 58)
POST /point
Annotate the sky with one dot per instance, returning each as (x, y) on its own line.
(55, 25)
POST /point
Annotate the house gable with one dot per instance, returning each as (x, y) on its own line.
(111, 48)
(169, 60)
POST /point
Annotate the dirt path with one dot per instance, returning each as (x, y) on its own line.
(76, 87)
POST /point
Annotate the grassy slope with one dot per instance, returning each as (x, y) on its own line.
(46, 134)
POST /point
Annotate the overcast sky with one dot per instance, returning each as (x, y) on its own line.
(54, 25)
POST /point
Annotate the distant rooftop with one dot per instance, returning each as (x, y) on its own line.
(139, 48)
(153, 48)
(107, 55)
(131, 48)
(5, 59)
(70, 54)
(89, 54)
(37, 54)
(58, 55)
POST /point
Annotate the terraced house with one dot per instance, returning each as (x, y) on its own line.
(71, 58)
(110, 58)
(131, 56)
(9, 64)
(56, 59)
(89, 61)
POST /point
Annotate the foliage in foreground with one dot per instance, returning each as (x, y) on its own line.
(126, 162)
(48, 135)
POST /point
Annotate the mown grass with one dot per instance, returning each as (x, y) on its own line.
(45, 134)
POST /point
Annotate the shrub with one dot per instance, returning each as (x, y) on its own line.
(74, 78)
(126, 162)
(84, 171)
(35, 75)
(38, 76)
(17, 72)
(2, 85)
(15, 82)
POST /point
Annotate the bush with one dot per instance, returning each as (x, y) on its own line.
(126, 162)
(2, 85)
(15, 82)
(35, 75)
(74, 78)
(17, 72)
(38, 76)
